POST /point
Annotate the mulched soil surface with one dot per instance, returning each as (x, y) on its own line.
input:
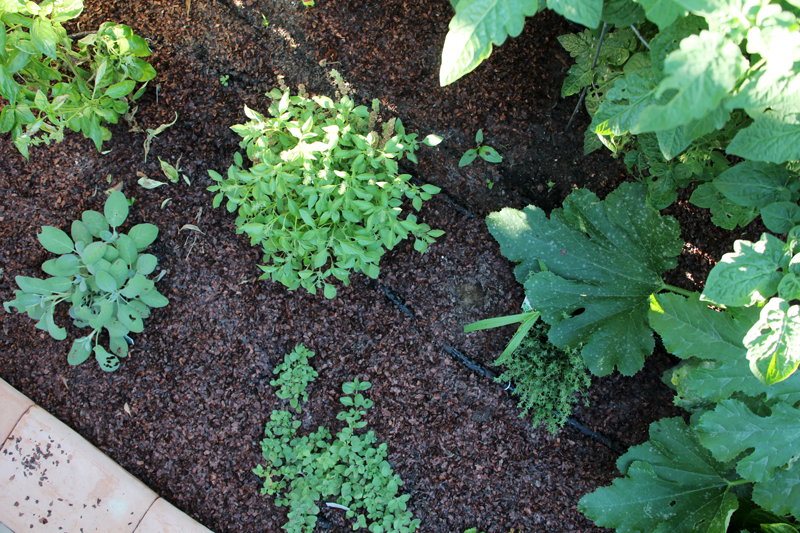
(197, 381)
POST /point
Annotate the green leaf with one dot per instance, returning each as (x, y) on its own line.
(56, 241)
(146, 263)
(604, 260)
(432, 140)
(51, 267)
(128, 316)
(329, 291)
(497, 322)
(80, 351)
(748, 275)
(662, 12)
(622, 13)
(780, 217)
(105, 281)
(586, 12)
(767, 442)
(673, 485)
(81, 233)
(624, 102)
(116, 329)
(143, 235)
(64, 10)
(108, 362)
(8, 88)
(689, 328)
(477, 25)
(764, 91)
(93, 253)
(56, 332)
(767, 139)
(127, 249)
(489, 154)
(726, 214)
(118, 346)
(700, 73)
(153, 298)
(44, 37)
(33, 285)
(773, 343)
(755, 183)
(468, 157)
(781, 493)
(119, 269)
(136, 285)
(116, 209)
(118, 90)
(96, 222)
(103, 316)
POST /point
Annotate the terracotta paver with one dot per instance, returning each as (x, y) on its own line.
(164, 518)
(51, 479)
(13, 405)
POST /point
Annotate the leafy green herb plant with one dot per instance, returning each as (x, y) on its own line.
(295, 373)
(347, 468)
(51, 83)
(547, 378)
(323, 195)
(223, 80)
(487, 153)
(102, 273)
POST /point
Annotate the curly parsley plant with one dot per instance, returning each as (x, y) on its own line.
(102, 274)
(323, 194)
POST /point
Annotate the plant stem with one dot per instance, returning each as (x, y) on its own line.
(737, 482)
(594, 64)
(639, 35)
(677, 290)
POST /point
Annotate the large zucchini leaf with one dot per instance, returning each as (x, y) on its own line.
(603, 260)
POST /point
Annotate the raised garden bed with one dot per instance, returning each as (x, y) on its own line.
(187, 408)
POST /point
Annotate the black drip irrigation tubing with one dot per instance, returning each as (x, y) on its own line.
(406, 169)
(395, 300)
(488, 374)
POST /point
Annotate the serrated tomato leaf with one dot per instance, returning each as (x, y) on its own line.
(476, 26)
(748, 275)
(773, 343)
(700, 74)
(767, 139)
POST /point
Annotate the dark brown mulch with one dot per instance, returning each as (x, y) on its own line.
(197, 381)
